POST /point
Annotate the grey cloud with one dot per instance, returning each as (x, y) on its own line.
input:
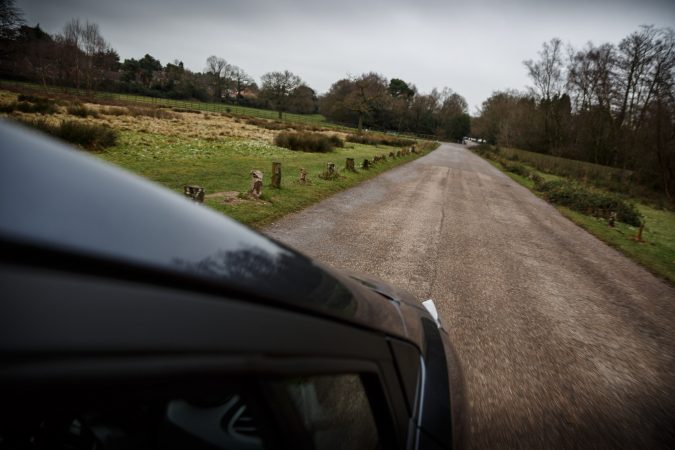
(471, 46)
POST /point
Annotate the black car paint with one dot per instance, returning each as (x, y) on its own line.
(65, 213)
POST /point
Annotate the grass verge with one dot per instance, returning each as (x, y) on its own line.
(224, 166)
(656, 253)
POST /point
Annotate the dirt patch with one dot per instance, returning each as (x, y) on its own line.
(232, 198)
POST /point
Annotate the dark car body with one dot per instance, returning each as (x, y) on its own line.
(134, 318)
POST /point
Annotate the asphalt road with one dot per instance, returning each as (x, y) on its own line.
(564, 342)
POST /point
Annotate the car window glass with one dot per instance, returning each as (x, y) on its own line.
(335, 411)
(210, 417)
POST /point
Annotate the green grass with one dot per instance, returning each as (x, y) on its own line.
(568, 167)
(656, 253)
(224, 165)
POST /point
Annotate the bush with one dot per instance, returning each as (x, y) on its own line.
(486, 151)
(80, 110)
(516, 168)
(336, 141)
(89, 136)
(379, 139)
(306, 142)
(275, 125)
(157, 113)
(43, 107)
(30, 98)
(114, 111)
(595, 203)
(186, 110)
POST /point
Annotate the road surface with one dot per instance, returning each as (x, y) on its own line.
(564, 342)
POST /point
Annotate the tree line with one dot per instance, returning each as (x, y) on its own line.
(608, 104)
(80, 57)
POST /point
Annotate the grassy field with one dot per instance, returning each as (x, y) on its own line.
(218, 152)
(166, 102)
(567, 167)
(656, 253)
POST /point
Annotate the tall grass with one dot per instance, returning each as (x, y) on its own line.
(88, 136)
(602, 176)
(307, 142)
(100, 96)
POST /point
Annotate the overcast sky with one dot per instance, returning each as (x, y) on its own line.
(471, 46)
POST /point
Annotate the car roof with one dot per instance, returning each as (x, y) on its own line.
(56, 199)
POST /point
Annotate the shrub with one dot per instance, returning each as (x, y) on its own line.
(516, 168)
(306, 142)
(186, 110)
(275, 125)
(42, 107)
(336, 141)
(89, 136)
(379, 139)
(30, 98)
(80, 110)
(113, 111)
(486, 151)
(595, 203)
(157, 113)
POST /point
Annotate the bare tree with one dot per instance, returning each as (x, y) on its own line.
(547, 72)
(11, 20)
(83, 42)
(240, 81)
(216, 69)
(278, 86)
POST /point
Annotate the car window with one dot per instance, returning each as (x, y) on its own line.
(335, 411)
(211, 416)
(321, 412)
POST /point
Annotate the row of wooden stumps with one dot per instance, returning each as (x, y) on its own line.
(196, 193)
(638, 236)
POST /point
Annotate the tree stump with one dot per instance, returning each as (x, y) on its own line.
(256, 184)
(638, 236)
(330, 171)
(350, 165)
(303, 176)
(194, 192)
(366, 164)
(276, 175)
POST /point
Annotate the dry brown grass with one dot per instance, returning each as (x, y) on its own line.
(171, 122)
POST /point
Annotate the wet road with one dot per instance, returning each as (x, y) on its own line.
(564, 342)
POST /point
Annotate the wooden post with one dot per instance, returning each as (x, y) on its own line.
(256, 184)
(638, 237)
(303, 176)
(276, 175)
(366, 164)
(612, 218)
(194, 192)
(350, 165)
